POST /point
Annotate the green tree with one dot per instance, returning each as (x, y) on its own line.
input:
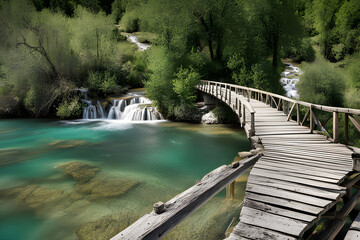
(185, 85)
(321, 83)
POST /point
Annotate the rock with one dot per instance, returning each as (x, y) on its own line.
(209, 118)
(100, 188)
(10, 107)
(32, 196)
(245, 154)
(103, 228)
(67, 143)
(159, 207)
(81, 172)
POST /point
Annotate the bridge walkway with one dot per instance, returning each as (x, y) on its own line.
(295, 182)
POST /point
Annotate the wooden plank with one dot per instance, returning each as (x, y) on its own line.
(303, 161)
(352, 235)
(297, 173)
(356, 223)
(284, 194)
(155, 226)
(253, 232)
(272, 222)
(356, 124)
(301, 207)
(304, 170)
(304, 166)
(300, 180)
(312, 191)
(279, 211)
(317, 152)
(345, 163)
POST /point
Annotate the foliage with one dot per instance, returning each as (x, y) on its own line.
(185, 85)
(225, 114)
(116, 35)
(69, 109)
(103, 83)
(130, 22)
(321, 83)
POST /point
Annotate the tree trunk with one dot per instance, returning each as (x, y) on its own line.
(275, 49)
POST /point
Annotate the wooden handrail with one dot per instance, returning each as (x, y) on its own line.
(166, 216)
(306, 104)
(280, 102)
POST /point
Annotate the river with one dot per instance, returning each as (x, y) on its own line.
(89, 179)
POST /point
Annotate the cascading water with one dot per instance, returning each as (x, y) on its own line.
(289, 78)
(134, 109)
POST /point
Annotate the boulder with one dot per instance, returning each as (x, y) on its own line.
(209, 118)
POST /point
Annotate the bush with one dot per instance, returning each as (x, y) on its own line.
(117, 36)
(130, 22)
(225, 114)
(321, 83)
(185, 85)
(69, 109)
(103, 83)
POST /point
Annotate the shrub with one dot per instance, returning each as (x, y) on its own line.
(130, 22)
(185, 84)
(69, 109)
(321, 83)
(117, 36)
(103, 83)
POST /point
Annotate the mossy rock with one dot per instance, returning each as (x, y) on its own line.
(103, 228)
(81, 172)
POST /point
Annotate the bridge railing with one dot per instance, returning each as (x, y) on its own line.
(235, 98)
(288, 106)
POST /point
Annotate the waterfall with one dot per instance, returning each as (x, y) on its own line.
(134, 109)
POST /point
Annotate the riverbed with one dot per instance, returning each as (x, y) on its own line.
(89, 179)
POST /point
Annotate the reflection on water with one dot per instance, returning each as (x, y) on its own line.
(91, 179)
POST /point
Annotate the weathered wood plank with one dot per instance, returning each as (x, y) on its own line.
(301, 207)
(284, 194)
(253, 232)
(156, 226)
(295, 187)
(295, 173)
(302, 181)
(279, 211)
(272, 222)
(352, 235)
(304, 169)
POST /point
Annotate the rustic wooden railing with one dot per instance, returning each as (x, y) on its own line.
(166, 216)
(288, 105)
(240, 104)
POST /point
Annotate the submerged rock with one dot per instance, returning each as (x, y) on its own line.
(81, 172)
(95, 187)
(103, 228)
(67, 143)
(32, 196)
(100, 188)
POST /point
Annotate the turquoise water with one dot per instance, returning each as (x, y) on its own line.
(161, 160)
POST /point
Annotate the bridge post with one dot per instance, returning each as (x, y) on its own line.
(311, 120)
(230, 96)
(243, 115)
(297, 113)
(346, 128)
(336, 127)
(216, 89)
(252, 131)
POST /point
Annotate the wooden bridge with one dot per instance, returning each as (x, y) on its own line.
(297, 177)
